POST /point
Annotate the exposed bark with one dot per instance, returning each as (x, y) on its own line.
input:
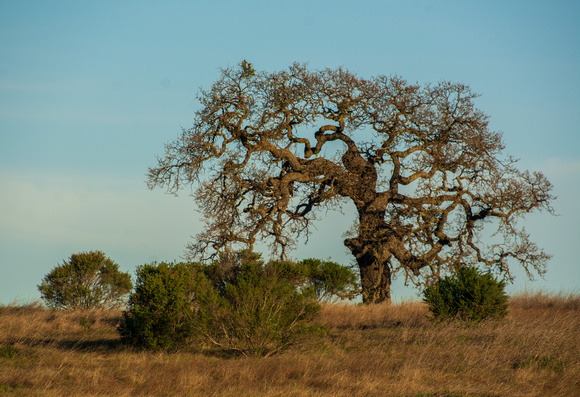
(375, 272)
(267, 150)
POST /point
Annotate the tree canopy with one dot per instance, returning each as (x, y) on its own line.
(268, 150)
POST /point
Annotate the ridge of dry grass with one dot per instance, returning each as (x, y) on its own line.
(366, 351)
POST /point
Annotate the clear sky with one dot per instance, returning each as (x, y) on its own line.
(90, 92)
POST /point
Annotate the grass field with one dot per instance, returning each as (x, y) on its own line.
(366, 351)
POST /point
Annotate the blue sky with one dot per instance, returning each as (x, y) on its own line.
(90, 92)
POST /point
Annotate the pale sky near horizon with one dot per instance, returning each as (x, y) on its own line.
(90, 92)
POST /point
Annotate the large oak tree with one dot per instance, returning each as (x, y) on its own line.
(268, 151)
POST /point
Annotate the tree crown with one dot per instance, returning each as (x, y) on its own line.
(421, 167)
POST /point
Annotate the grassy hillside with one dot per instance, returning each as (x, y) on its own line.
(367, 351)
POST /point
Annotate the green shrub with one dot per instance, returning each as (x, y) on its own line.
(227, 268)
(467, 295)
(254, 309)
(330, 280)
(89, 280)
(238, 303)
(163, 308)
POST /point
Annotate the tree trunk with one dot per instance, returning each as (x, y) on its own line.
(372, 259)
(371, 247)
(375, 280)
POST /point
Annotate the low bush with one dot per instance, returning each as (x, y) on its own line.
(239, 304)
(163, 308)
(255, 308)
(467, 295)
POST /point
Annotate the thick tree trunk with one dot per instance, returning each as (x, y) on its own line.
(372, 258)
(372, 246)
(375, 279)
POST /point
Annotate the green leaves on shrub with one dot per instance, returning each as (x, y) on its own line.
(257, 312)
(163, 308)
(238, 304)
(89, 280)
(467, 295)
(330, 280)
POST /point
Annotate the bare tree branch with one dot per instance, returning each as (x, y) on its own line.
(426, 175)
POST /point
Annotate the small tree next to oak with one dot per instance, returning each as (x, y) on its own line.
(89, 280)
(418, 163)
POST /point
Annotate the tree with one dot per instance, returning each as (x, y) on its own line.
(89, 280)
(268, 151)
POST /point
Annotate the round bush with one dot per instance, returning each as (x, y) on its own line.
(467, 295)
(89, 281)
(162, 309)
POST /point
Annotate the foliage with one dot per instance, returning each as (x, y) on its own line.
(269, 151)
(162, 309)
(330, 280)
(468, 295)
(255, 309)
(239, 304)
(89, 280)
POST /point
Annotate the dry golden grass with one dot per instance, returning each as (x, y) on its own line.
(367, 351)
